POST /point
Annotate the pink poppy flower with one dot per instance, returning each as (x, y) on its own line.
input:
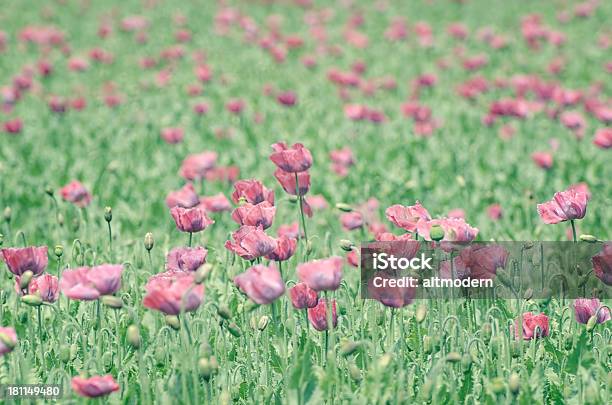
(185, 197)
(14, 126)
(291, 230)
(390, 296)
(317, 202)
(581, 188)
(8, 335)
(603, 138)
(572, 120)
(494, 211)
(201, 108)
(321, 275)
(407, 217)
(172, 135)
(76, 193)
(483, 261)
(351, 220)
(295, 159)
(287, 181)
(171, 292)
(186, 259)
(455, 229)
(250, 242)
(285, 249)
(235, 106)
(543, 159)
(85, 283)
(355, 112)
(20, 260)
(456, 213)
(262, 284)
(94, 387)
(45, 286)
(255, 215)
(190, 219)
(227, 173)
(216, 203)
(317, 315)
(303, 297)
(534, 326)
(565, 206)
(602, 264)
(287, 98)
(195, 166)
(252, 191)
(389, 237)
(352, 258)
(585, 308)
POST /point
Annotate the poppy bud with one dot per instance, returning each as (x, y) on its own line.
(421, 313)
(592, 322)
(202, 274)
(60, 219)
(427, 344)
(225, 398)
(436, 233)
(25, 279)
(7, 341)
(173, 322)
(223, 311)
(426, 389)
(344, 207)
(383, 362)
(453, 357)
(528, 294)
(346, 245)
(569, 343)
(309, 247)
(112, 301)
(32, 300)
(487, 331)
(148, 241)
(263, 322)
(461, 181)
(64, 354)
(466, 361)
(58, 251)
(292, 198)
(354, 372)
(233, 329)
(8, 213)
(49, 191)
(107, 360)
(349, 348)
(588, 238)
(514, 383)
(108, 214)
(497, 385)
(515, 349)
(208, 367)
(133, 336)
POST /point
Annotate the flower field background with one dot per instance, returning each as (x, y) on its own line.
(157, 248)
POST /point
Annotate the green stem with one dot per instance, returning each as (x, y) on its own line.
(190, 238)
(301, 201)
(110, 237)
(573, 230)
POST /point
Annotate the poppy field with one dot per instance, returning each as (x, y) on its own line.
(186, 188)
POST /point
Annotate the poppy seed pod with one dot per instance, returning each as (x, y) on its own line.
(588, 238)
(32, 300)
(173, 321)
(24, 280)
(436, 233)
(346, 245)
(344, 207)
(108, 214)
(149, 241)
(58, 251)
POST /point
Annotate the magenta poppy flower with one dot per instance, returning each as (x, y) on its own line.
(262, 284)
(295, 159)
(291, 230)
(543, 159)
(14, 126)
(186, 197)
(287, 181)
(352, 258)
(250, 242)
(351, 220)
(170, 292)
(407, 217)
(285, 248)
(321, 275)
(235, 106)
(195, 166)
(172, 135)
(46, 286)
(216, 203)
(455, 229)
(565, 206)
(252, 191)
(317, 315)
(186, 259)
(534, 326)
(343, 157)
(8, 335)
(603, 138)
(94, 387)
(20, 260)
(190, 219)
(585, 308)
(602, 264)
(255, 215)
(356, 112)
(76, 193)
(303, 297)
(223, 173)
(494, 211)
(287, 98)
